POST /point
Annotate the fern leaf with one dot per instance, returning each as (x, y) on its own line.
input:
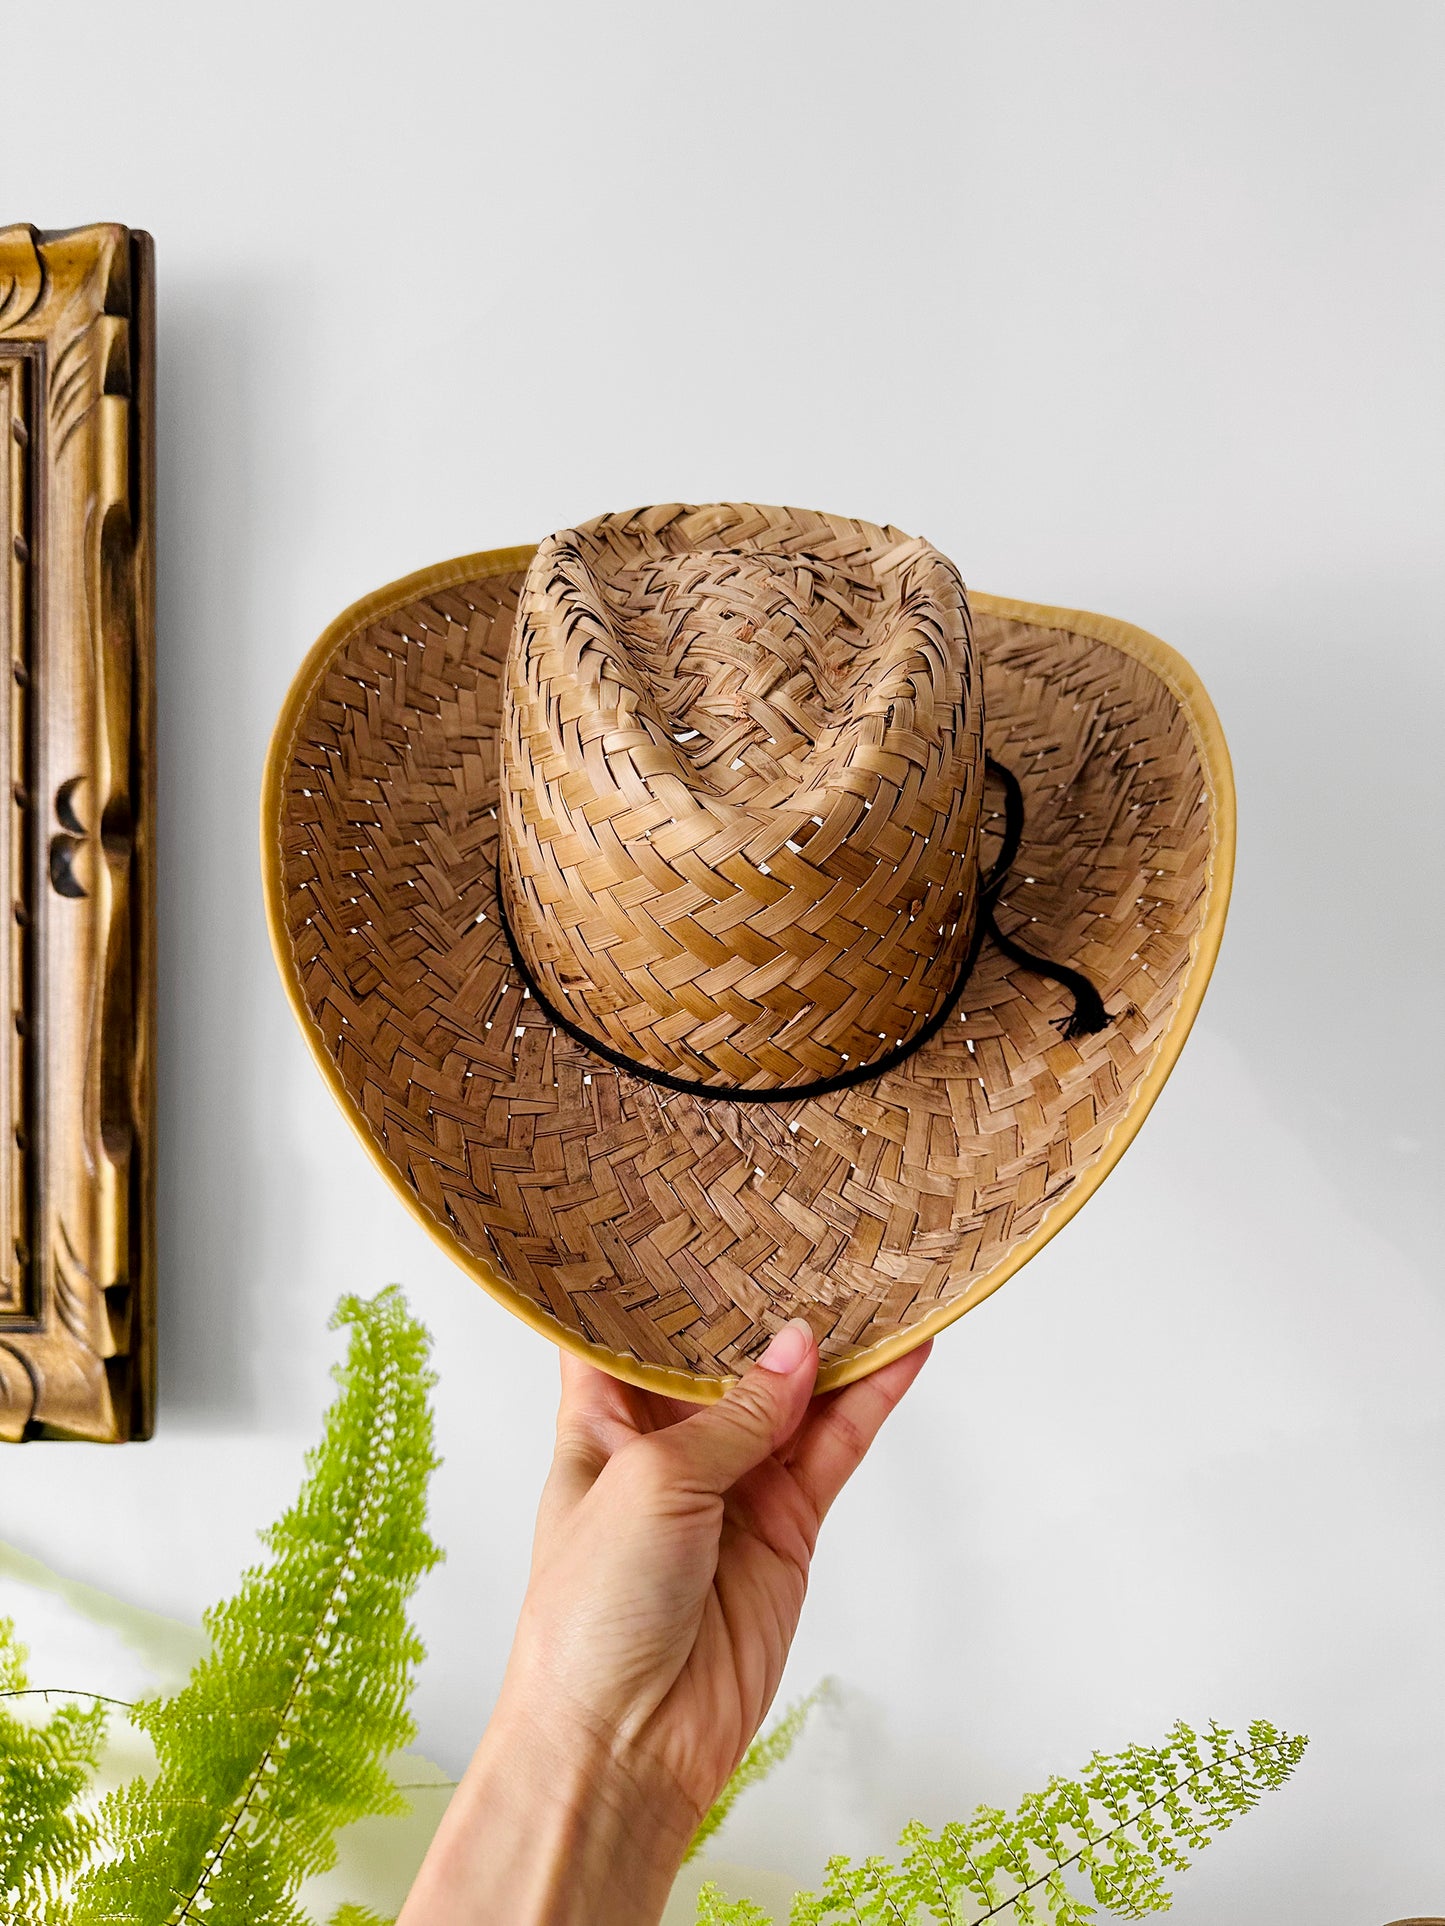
(1121, 1826)
(350, 1915)
(715, 1909)
(44, 1771)
(757, 1762)
(277, 1739)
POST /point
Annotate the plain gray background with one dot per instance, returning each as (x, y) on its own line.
(1133, 307)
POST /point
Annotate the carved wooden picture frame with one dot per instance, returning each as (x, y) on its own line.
(77, 812)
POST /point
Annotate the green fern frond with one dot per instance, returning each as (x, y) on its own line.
(757, 1762)
(350, 1915)
(44, 1771)
(1128, 1820)
(278, 1738)
(715, 1909)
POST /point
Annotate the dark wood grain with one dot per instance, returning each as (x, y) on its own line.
(77, 961)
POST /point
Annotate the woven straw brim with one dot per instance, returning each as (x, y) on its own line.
(665, 1236)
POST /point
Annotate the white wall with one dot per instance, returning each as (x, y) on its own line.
(1127, 306)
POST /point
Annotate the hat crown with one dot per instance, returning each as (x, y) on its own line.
(741, 783)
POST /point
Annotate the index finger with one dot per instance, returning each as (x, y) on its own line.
(600, 1410)
(840, 1427)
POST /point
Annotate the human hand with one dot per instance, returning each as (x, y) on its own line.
(669, 1568)
(672, 1554)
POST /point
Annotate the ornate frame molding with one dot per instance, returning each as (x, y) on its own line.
(77, 814)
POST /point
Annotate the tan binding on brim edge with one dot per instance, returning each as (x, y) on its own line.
(1208, 743)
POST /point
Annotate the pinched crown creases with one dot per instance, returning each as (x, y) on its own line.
(741, 785)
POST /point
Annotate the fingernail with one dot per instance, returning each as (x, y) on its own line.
(788, 1347)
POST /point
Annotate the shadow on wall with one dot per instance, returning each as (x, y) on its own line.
(1329, 973)
(214, 381)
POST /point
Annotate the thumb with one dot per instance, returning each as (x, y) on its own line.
(712, 1449)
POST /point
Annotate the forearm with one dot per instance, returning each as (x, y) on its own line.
(549, 1828)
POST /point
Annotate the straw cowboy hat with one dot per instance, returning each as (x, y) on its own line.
(714, 916)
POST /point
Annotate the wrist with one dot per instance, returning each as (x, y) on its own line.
(553, 1825)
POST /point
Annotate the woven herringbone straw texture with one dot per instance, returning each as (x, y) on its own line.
(742, 773)
(677, 1232)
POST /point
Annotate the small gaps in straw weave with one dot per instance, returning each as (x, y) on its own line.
(741, 784)
(675, 1231)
